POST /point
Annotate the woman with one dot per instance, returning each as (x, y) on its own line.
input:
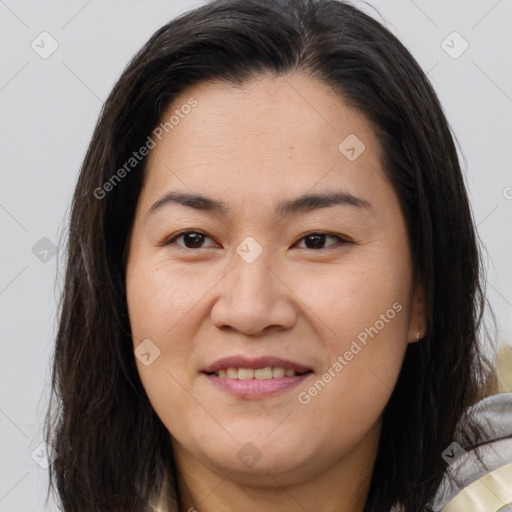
(273, 290)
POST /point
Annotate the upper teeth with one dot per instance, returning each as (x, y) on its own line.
(258, 373)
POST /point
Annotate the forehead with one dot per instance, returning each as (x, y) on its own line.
(268, 134)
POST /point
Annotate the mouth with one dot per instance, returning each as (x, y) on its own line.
(267, 372)
(255, 378)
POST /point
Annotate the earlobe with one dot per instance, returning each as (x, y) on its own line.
(418, 337)
(417, 326)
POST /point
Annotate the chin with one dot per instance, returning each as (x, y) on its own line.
(257, 454)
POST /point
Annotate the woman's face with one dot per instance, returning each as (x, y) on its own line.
(270, 280)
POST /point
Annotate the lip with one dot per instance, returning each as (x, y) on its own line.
(255, 388)
(258, 362)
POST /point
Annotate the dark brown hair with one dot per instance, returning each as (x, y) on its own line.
(114, 453)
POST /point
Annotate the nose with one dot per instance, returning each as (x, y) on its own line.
(254, 298)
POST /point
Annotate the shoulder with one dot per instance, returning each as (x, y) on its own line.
(479, 474)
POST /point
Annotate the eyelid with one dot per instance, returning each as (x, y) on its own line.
(170, 239)
(341, 239)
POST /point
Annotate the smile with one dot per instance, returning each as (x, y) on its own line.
(256, 373)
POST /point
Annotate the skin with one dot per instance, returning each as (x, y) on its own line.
(252, 146)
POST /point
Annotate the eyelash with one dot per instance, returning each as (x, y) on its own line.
(170, 241)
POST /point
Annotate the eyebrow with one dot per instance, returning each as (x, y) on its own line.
(306, 202)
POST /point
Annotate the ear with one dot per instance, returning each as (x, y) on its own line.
(418, 323)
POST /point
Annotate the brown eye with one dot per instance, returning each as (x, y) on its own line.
(317, 239)
(191, 239)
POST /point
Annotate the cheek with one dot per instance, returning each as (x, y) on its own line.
(158, 307)
(163, 305)
(159, 296)
(364, 311)
(367, 292)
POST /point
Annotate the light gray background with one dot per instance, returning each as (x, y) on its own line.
(48, 109)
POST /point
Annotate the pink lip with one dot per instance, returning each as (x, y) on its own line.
(256, 388)
(258, 362)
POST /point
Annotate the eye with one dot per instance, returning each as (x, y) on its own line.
(316, 239)
(192, 239)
